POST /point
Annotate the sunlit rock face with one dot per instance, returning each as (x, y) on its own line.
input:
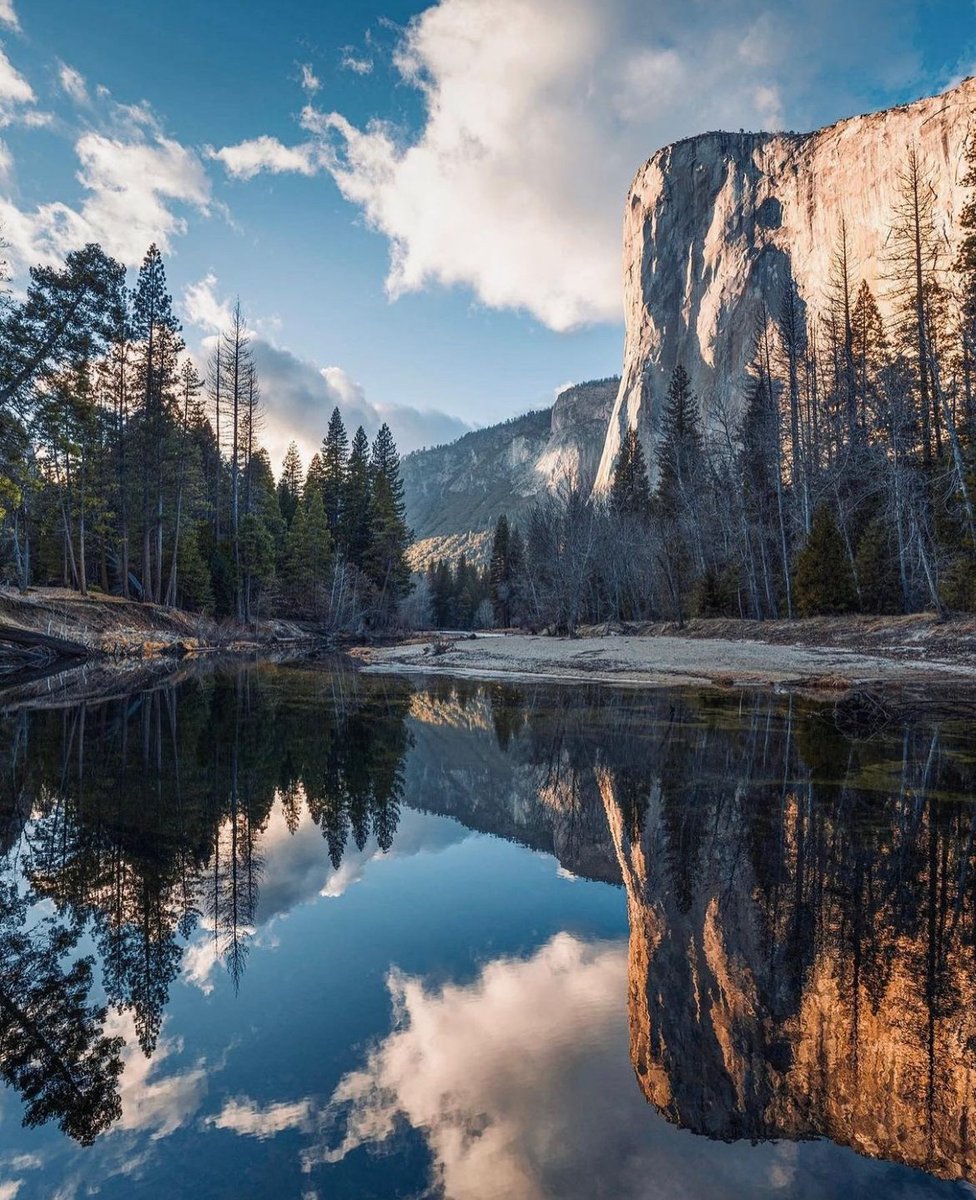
(715, 225)
(801, 959)
(455, 493)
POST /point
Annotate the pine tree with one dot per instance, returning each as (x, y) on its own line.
(335, 452)
(389, 535)
(314, 476)
(290, 483)
(319, 551)
(441, 594)
(680, 449)
(296, 575)
(500, 572)
(195, 589)
(157, 332)
(355, 517)
(823, 580)
(877, 569)
(869, 346)
(630, 490)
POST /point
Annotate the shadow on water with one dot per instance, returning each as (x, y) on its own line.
(802, 904)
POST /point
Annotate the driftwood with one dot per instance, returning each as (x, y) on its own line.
(36, 648)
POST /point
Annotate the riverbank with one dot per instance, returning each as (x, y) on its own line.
(828, 654)
(57, 626)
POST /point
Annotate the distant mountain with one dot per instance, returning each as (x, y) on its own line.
(455, 493)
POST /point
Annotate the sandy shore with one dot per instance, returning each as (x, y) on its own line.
(664, 660)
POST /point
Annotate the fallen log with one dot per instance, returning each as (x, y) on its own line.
(30, 640)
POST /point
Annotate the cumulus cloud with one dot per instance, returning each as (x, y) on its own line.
(521, 1084)
(246, 1117)
(247, 159)
(134, 181)
(154, 1102)
(300, 395)
(538, 112)
(203, 307)
(510, 1101)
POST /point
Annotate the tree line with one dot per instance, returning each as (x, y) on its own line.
(125, 469)
(847, 485)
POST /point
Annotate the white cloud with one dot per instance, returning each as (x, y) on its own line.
(8, 16)
(133, 183)
(14, 89)
(502, 1092)
(310, 81)
(301, 394)
(249, 158)
(359, 64)
(246, 1117)
(538, 113)
(73, 84)
(153, 1102)
(203, 307)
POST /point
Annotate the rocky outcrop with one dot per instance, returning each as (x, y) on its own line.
(716, 225)
(455, 493)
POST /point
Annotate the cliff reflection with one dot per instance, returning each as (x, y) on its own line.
(802, 930)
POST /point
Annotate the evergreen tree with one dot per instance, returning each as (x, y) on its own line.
(389, 536)
(877, 570)
(630, 490)
(823, 580)
(290, 483)
(335, 453)
(355, 517)
(314, 476)
(156, 331)
(503, 570)
(680, 449)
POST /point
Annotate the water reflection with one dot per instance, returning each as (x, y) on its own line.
(802, 933)
(141, 819)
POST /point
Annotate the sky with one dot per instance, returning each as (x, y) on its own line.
(419, 206)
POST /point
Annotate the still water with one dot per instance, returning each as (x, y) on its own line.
(287, 932)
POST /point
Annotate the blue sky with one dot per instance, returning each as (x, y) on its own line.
(422, 201)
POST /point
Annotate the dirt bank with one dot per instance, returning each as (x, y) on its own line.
(818, 654)
(108, 627)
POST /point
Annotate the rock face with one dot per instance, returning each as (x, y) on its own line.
(455, 493)
(717, 224)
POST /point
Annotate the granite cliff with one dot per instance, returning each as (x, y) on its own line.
(455, 493)
(717, 224)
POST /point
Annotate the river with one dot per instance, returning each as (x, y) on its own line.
(290, 931)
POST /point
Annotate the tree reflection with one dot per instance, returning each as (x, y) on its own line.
(802, 904)
(141, 818)
(53, 1049)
